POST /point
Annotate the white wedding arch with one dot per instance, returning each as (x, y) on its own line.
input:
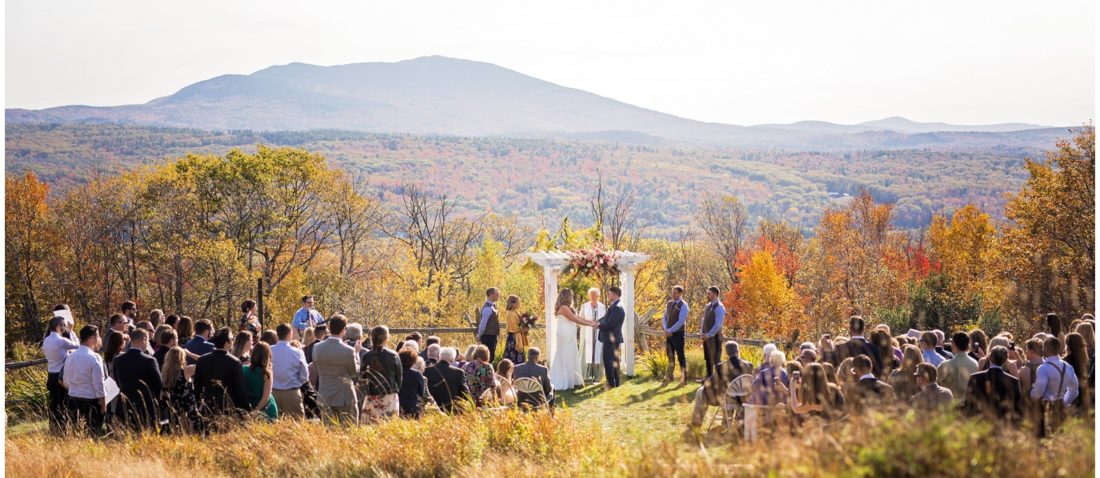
(553, 262)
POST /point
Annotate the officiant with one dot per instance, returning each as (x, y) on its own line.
(592, 310)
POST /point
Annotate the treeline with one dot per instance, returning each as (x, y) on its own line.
(193, 234)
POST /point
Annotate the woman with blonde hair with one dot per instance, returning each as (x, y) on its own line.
(505, 393)
(309, 336)
(176, 378)
(904, 379)
(515, 343)
(565, 361)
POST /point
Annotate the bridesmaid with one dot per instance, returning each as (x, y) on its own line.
(515, 344)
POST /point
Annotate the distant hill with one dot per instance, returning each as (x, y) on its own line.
(447, 96)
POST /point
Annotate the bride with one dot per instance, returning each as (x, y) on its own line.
(565, 366)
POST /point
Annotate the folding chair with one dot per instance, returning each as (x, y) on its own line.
(731, 410)
(529, 393)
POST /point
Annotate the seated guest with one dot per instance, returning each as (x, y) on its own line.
(904, 379)
(258, 378)
(532, 368)
(807, 356)
(242, 346)
(994, 393)
(200, 344)
(139, 380)
(414, 389)
(713, 391)
(85, 377)
(463, 359)
(1056, 386)
(770, 385)
(869, 393)
(931, 395)
(337, 370)
(381, 375)
(479, 374)
(320, 333)
(353, 334)
(954, 373)
(428, 342)
(505, 393)
(447, 383)
(818, 397)
(56, 347)
(219, 378)
(289, 374)
(176, 375)
(431, 355)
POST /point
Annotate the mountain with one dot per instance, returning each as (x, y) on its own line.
(447, 96)
(902, 125)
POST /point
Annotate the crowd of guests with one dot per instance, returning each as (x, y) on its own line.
(176, 374)
(1036, 383)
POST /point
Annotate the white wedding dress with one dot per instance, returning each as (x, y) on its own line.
(565, 367)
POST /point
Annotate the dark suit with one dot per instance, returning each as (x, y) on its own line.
(995, 394)
(538, 372)
(869, 394)
(198, 346)
(138, 378)
(219, 382)
(858, 346)
(447, 385)
(611, 335)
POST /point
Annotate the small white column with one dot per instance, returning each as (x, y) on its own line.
(550, 290)
(626, 281)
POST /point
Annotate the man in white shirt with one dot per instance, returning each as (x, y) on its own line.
(1055, 386)
(289, 372)
(56, 347)
(85, 377)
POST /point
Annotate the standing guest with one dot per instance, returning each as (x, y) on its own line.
(1033, 354)
(219, 378)
(1056, 387)
(928, 349)
(904, 379)
(479, 374)
(1054, 326)
(428, 342)
(116, 345)
(1077, 358)
(592, 348)
(185, 327)
(807, 356)
(857, 344)
(157, 335)
(242, 346)
(979, 344)
(309, 336)
(156, 317)
(505, 392)
(249, 321)
(270, 337)
(1005, 341)
(714, 387)
(714, 314)
(673, 322)
(176, 374)
(337, 369)
(139, 380)
(85, 376)
(290, 373)
(149, 330)
(488, 328)
(955, 372)
(320, 333)
(306, 316)
(1086, 330)
(414, 389)
(827, 350)
(431, 355)
(939, 345)
(258, 379)
(353, 334)
(931, 396)
(171, 320)
(382, 374)
(130, 312)
(994, 393)
(63, 311)
(447, 383)
(515, 342)
(116, 325)
(889, 352)
(56, 348)
(200, 344)
(870, 392)
(168, 341)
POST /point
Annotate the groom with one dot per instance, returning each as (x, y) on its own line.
(611, 335)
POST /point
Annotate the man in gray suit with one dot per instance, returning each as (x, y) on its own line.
(531, 368)
(337, 370)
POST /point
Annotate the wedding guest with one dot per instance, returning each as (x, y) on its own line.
(337, 369)
(979, 344)
(289, 374)
(714, 387)
(858, 345)
(258, 378)
(714, 314)
(428, 342)
(269, 337)
(673, 322)
(1033, 355)
(185, 328)
(447, 383)
(200, 344)
(807, 356)
(320, 333)
(242, 346)
(816, 396)
(148, 328)
(994, 393)
(63, 311)
(156, 317)
(116, 344)
(904, 379)
(139, 380)
(928, 350)
(488, 327)
(1001, 340)
(249, 321)
(870, 392)
(1077, 358)
(172, 320)
(413, 393)
(56, 347)
(85, 377)
(157, 336)
(129, 311)
(931, 395)
(515, 344)
(353, 334)
(532, 368)
(954, 373)
(505, 393)
(176, 375)
(770, 385)
(1056, 386)
(479, 374)
(827, 350)
(1086, 330)
(382, 375)
(306, 316)
(431, 355)
(116, 325)
(1054, 327)
(219, 378)
(467, 357)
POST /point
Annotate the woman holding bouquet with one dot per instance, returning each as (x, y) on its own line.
(515, 344)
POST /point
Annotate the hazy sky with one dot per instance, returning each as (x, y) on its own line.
(741, 62)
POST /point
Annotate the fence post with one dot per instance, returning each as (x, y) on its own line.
(260, 300)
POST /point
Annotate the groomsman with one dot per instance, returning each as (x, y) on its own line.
(713, 317)
(676, 313)
(488, 328)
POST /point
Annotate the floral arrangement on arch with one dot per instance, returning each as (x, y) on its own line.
(592, 261)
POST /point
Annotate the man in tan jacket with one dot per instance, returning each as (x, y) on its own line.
(337, 369)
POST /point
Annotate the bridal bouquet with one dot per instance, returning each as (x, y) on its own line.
(527, 321)
(592, 261)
